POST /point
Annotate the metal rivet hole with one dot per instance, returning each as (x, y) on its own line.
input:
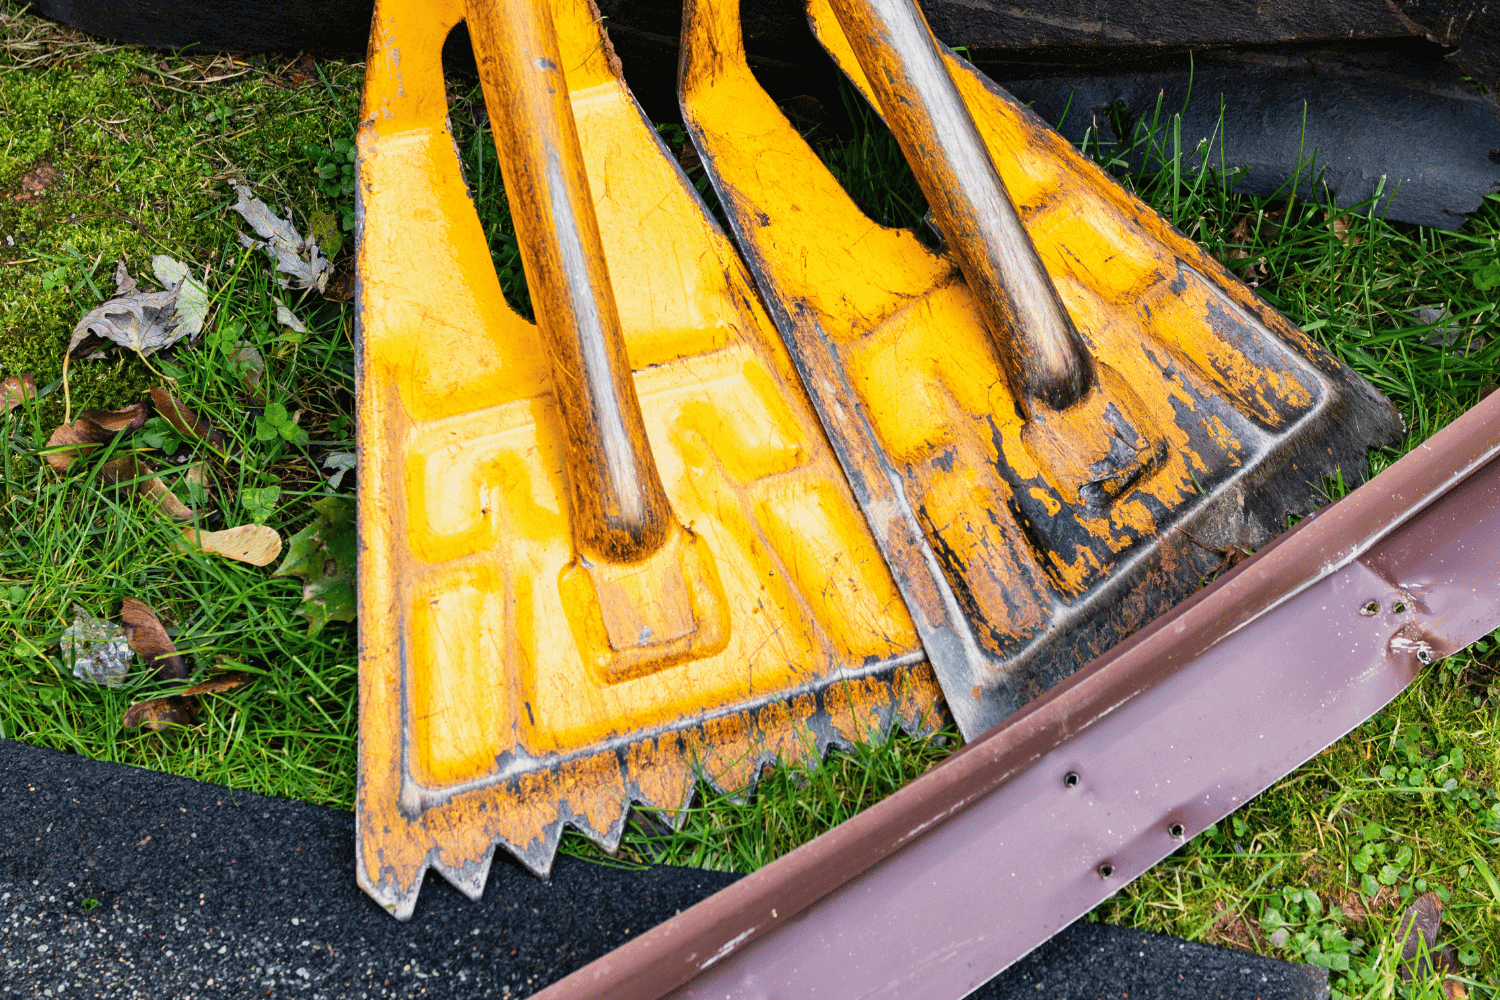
(1106, 870)
(1398, 608)
(1070, 779)
(1424, 656)
(1176, 830)
(1370, 608)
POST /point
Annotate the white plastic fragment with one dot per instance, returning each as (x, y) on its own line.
(97, 648)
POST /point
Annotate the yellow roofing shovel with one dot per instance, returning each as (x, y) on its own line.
(606, 552)
(1057, 424)
(668, 530)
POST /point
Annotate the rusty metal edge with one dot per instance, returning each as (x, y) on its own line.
(728, 932)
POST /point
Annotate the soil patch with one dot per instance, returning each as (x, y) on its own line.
(35, 183)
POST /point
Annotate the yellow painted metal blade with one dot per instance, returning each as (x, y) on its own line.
(1024, 546)
(495, 707)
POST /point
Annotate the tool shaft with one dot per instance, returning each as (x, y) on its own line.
(1039, 345)
(620, 510)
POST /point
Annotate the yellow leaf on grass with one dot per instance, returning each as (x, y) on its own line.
(255, 544)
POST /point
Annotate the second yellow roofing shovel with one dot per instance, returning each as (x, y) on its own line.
(601, 554)
(1059, 423)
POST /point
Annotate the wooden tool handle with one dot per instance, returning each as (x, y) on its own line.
(620, 511)
(1041, 349)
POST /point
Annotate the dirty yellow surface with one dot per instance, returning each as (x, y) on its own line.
(498, 698)
(1001, 526)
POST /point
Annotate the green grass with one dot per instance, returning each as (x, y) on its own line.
(145, 146)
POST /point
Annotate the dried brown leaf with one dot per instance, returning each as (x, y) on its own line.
(184, 420)
(92, 429)
(127, 421)
(1231, 930)
(136, 473)
(1339, 226)
(255, 544)
(219, 684)
(1356, 907)
(200, 475)
(180, 709)
(15, 390)
(145, 634)
(161, 713)
(166, 499)
(1418, 936)
(247, 362)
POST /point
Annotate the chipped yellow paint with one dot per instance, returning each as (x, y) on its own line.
(1221, 434)
(501, 688)
(1053, 505)
(1166, 328)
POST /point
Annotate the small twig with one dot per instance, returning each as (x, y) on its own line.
(67, 399)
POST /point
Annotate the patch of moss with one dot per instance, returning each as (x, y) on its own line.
(140, 149)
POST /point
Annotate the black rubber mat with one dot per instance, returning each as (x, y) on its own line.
(117, 882)
(1103, 962)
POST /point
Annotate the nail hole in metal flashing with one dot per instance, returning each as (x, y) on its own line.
(1176, 830)
(1070, 779)
(1398, 608)
(1370, 608)
(1425, 656)
(1106, 870)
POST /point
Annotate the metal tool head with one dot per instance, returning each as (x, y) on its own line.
(1027, 534)
(506, 690)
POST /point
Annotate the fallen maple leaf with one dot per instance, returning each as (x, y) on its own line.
(292, 253)
(192, 297)
(322, 554)
(146, 322)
